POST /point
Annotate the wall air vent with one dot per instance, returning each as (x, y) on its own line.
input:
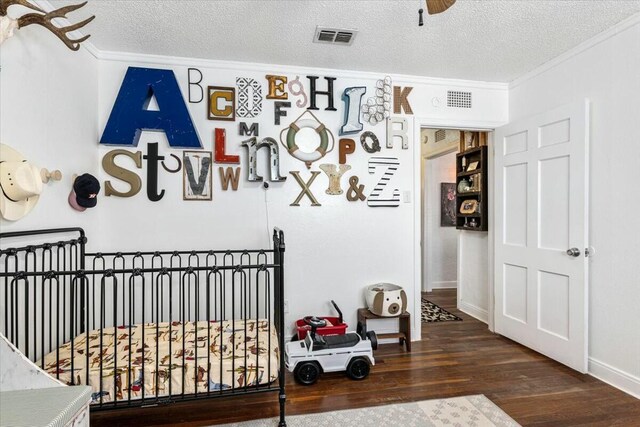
(441, 135)
(334, 36)
(458, 99)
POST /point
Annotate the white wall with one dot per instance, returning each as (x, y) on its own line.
(604, 70)
(473, 274)
(441, 243)
(333, 251)
(48, 104)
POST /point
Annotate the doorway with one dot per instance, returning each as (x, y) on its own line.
(454, 259)
(545, 307)
(440, 237)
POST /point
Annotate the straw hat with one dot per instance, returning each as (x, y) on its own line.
(20, 182)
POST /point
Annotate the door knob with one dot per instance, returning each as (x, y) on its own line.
(574, 252)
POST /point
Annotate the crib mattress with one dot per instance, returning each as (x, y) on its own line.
(176, 357)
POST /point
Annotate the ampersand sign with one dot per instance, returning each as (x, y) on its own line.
(355, 191)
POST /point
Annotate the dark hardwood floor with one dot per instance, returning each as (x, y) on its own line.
(453, 359)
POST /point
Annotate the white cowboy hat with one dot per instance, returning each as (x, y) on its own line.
(20, 182)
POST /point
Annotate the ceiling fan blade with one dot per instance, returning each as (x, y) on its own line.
(438, 6)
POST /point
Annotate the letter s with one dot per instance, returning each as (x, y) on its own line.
(131, 178)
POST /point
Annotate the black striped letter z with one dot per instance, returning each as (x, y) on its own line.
(376, 198)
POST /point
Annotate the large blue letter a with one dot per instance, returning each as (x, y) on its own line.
(129, 115)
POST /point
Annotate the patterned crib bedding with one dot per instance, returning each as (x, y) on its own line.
(215, 356)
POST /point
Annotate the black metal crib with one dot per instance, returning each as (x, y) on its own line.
(146, 328)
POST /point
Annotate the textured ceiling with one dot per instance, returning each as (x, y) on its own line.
(478, 40)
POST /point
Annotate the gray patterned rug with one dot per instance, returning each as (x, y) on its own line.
(465, 411)
(434, 313)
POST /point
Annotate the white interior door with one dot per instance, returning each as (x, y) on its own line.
(541, 213)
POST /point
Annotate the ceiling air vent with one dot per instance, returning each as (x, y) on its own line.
(458, 99)
(326, 36)
(334, 36)
(440, 135)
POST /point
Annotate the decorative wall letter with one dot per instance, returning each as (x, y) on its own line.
(177, 168)
(249, 97)
(394, 132)
(230, 175)
(222, 103)
(248, 131)
(400, 101)
(152, 158)
(346, 146)
(190, 72)
(305, 188)
(378, 107)
(352, 96)
(298, 91)
(196, 184)
(313, 92)
(321, 130)
(356, 190)
(129, 115)
(391, 166)
(334, 175)
(276, 87)
(110, 167)
(220, 148)
(253, 146)
(278, 110)
(375, 144)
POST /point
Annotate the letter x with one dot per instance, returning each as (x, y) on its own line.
(305, 188)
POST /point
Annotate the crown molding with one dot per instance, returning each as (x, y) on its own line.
(620, 27)
(149, 59)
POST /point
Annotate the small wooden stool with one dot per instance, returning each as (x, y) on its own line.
(404, 326)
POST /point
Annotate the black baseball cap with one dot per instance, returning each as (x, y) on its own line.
(86, 187)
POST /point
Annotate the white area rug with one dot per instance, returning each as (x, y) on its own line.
(465, 411)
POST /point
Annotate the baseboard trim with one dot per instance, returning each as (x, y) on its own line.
(444, 285)
(473, 311)
(621, 380)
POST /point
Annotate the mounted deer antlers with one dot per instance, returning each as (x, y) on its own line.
(40, 17)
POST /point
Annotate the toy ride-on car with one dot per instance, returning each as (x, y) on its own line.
(334, 325)
(351, 352)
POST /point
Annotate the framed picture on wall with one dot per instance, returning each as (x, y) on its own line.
(196, 175)
(447, 204)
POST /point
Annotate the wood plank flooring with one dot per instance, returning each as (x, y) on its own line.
(453, 359)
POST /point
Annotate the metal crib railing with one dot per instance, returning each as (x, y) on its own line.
(53, 291)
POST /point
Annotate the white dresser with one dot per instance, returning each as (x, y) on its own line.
(46, 407)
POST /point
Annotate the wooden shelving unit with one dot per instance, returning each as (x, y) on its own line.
(477, 178)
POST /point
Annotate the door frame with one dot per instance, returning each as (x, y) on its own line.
(454, 124)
